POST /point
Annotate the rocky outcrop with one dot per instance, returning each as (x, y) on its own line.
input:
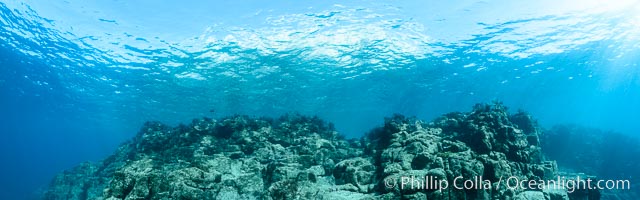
(298, 157)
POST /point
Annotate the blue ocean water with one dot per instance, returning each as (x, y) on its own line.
(78, 78)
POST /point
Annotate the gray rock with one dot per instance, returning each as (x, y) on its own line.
(298, 157)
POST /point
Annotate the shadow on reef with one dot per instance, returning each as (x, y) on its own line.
(609, 155)
(298, 157)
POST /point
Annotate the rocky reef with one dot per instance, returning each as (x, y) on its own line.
(299, 157)
(607, 154)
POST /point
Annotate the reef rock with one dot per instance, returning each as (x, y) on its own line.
(479, 154)
(609, 155)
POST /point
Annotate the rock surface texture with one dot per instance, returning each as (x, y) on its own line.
(298, 157)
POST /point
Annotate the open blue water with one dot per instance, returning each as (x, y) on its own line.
(78, 78)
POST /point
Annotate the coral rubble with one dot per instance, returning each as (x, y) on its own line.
(298, 157)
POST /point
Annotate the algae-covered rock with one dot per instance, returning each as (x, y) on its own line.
(298, 157)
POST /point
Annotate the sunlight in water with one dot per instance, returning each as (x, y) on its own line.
(77, 78)
(608, 5)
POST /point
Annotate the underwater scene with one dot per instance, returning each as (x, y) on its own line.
(285, 99)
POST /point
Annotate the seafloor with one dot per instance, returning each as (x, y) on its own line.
(299, 157)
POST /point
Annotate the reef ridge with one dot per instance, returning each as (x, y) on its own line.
(300, 157)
